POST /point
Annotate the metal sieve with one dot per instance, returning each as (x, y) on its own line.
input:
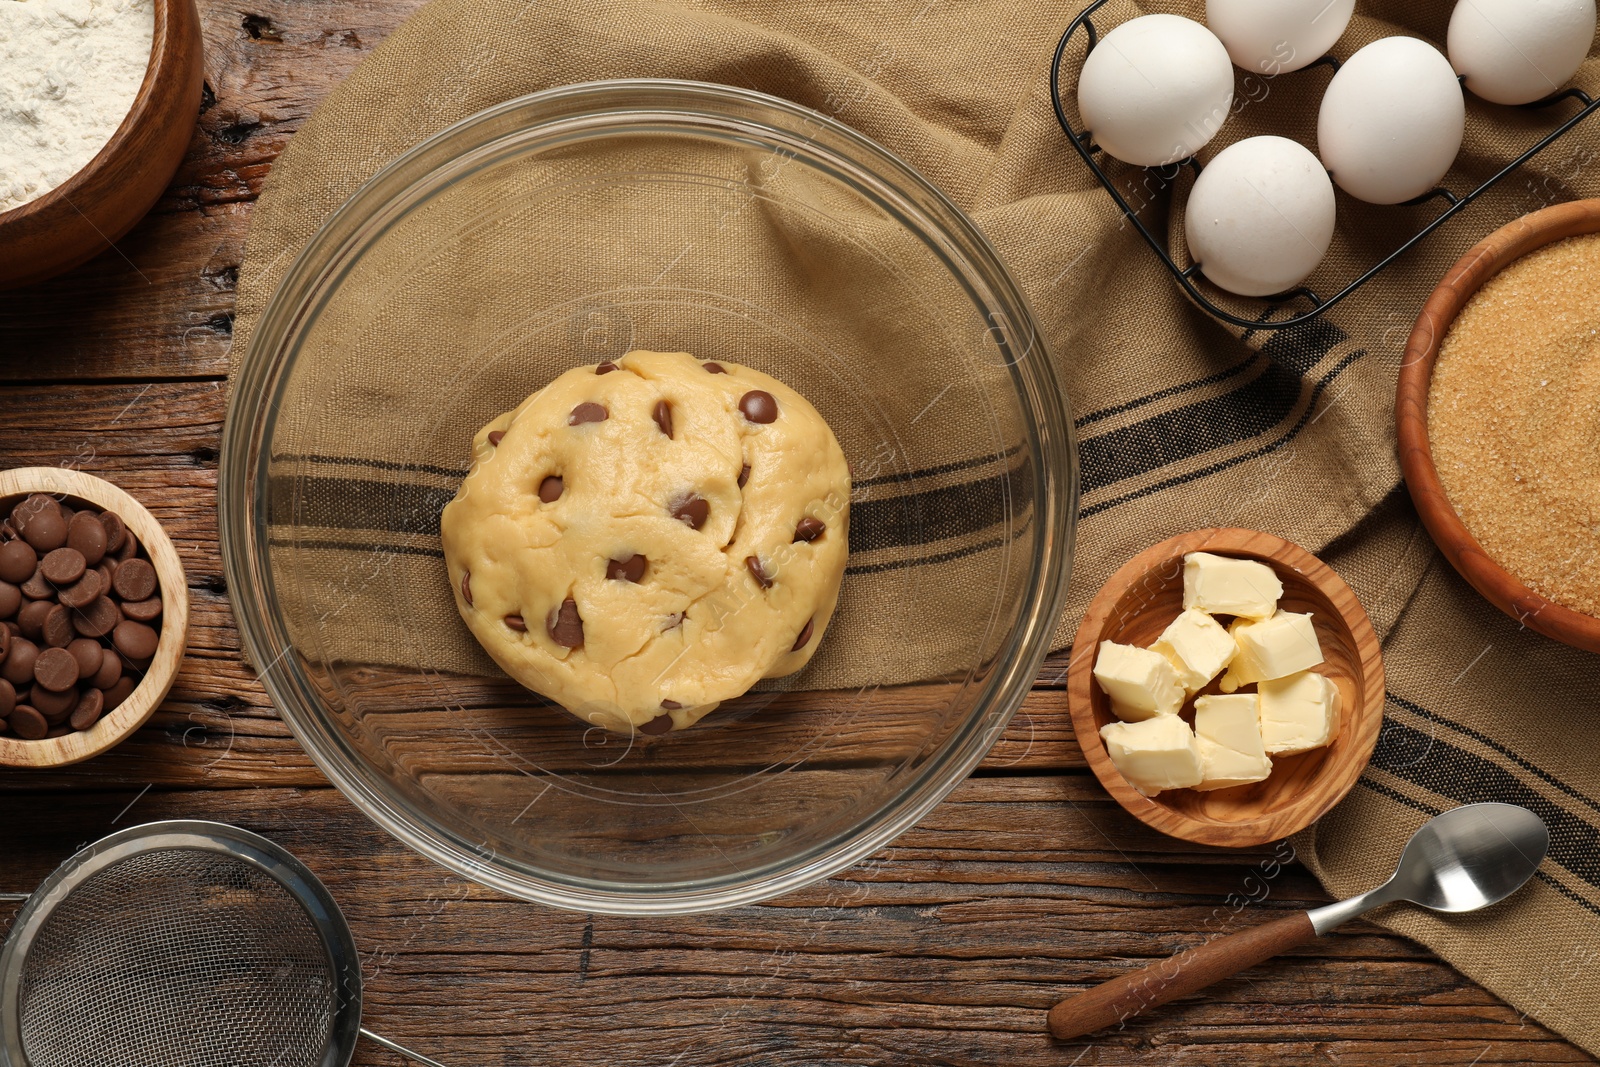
(181, 944)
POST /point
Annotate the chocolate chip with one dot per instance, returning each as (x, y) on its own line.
(605, 368)
(87, 589)
(466, 587)
(757, 571)
(116, 530)
(63, 566)
(119, 691)
(8, 697)
(744, 475)
(18, 666)
(693, 510)
(91, 705)
(28, 723)
(808, 529)
(566, 625)
(31, 618)
(551, 488)
(139, 610)
(627, 570)
(54, 705)
(663, 416)
(56, 670)
(98, 619)
(495, 437)
(588, 411)
(516, 622)
(805, 635)
(18, 561)
(57, 628)
(135, 640)
(10, 600)
(657, 726)
(87, 536)
(40, 522)
(109, 671)
(674, 621)
(36, 588)
(134, 580)
(715, 368)
(129, 549)
(670, 705)
(5, 641)
(87, 652)
(758, 406)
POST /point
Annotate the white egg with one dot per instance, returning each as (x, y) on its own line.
(1391, 121)
(1519, 51)
(1155, 89)
(1260, 216)
(1276, 36)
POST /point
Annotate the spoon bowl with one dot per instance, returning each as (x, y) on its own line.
(1471, 857)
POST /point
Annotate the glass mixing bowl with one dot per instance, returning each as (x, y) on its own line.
(566, 228)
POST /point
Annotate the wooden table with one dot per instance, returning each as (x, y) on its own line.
(947, 948)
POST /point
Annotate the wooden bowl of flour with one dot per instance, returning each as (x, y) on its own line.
(94, 208)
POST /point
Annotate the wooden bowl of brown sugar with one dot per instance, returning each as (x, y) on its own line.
(94, 634)
(1498, 420)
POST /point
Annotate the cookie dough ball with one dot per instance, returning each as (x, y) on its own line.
(643, 539)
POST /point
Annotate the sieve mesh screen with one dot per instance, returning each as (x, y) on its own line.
(177, 957)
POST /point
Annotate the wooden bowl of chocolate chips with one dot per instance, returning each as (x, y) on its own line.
(94, 614)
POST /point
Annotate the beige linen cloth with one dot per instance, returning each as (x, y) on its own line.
(1183, 423)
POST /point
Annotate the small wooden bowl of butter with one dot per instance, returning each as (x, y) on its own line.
(1226, 687)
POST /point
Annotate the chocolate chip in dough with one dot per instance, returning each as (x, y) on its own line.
(54, 705)
(109, 671)
(57, 630)
(657, 726)
(31, 618)
(18, 667)
(91, 705)
(135, 640)
(744, 475)
(566, 625)
(495, 437)
(140, 610)
(86, 535)
(805, 636)
(96, 620)
(466, 589)
(116, 530)
(85, 591)
(87, 652)
(18, 561)
(40, 522)
(56, 670)
(10, 600)
(808, 529)
(8, 697)
(670, 705)
(588, 411)
(663, 417)
(673, 621)
(757, 571)
(551, 488)
(605, 368)
(134, 580)
(759, 406)
(119, 692)
(28, 723)
(627, 570)
(516, 622)
(715, 368)
(693, 510)
(36, 588)
(63, 566)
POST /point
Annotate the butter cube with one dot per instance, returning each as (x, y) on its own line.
(1140, 683)
(1197, 647)
(1298, 713)
(1156, 754)
(1227, 731)
(1221, 585)
(1271, 648)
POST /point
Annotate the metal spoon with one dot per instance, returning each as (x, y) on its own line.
(1465, 859)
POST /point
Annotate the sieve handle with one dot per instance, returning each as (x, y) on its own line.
(17, 897)
(379, 1039)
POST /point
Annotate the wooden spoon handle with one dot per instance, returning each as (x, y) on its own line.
(1187, 972)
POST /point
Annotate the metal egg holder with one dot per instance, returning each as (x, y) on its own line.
(1186, 277)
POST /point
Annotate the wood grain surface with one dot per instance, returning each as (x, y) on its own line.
(1486, 259)
(1028, 884)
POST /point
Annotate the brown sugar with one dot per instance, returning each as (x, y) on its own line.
(1514, 420)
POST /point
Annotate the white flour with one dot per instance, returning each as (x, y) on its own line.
(69, 70)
